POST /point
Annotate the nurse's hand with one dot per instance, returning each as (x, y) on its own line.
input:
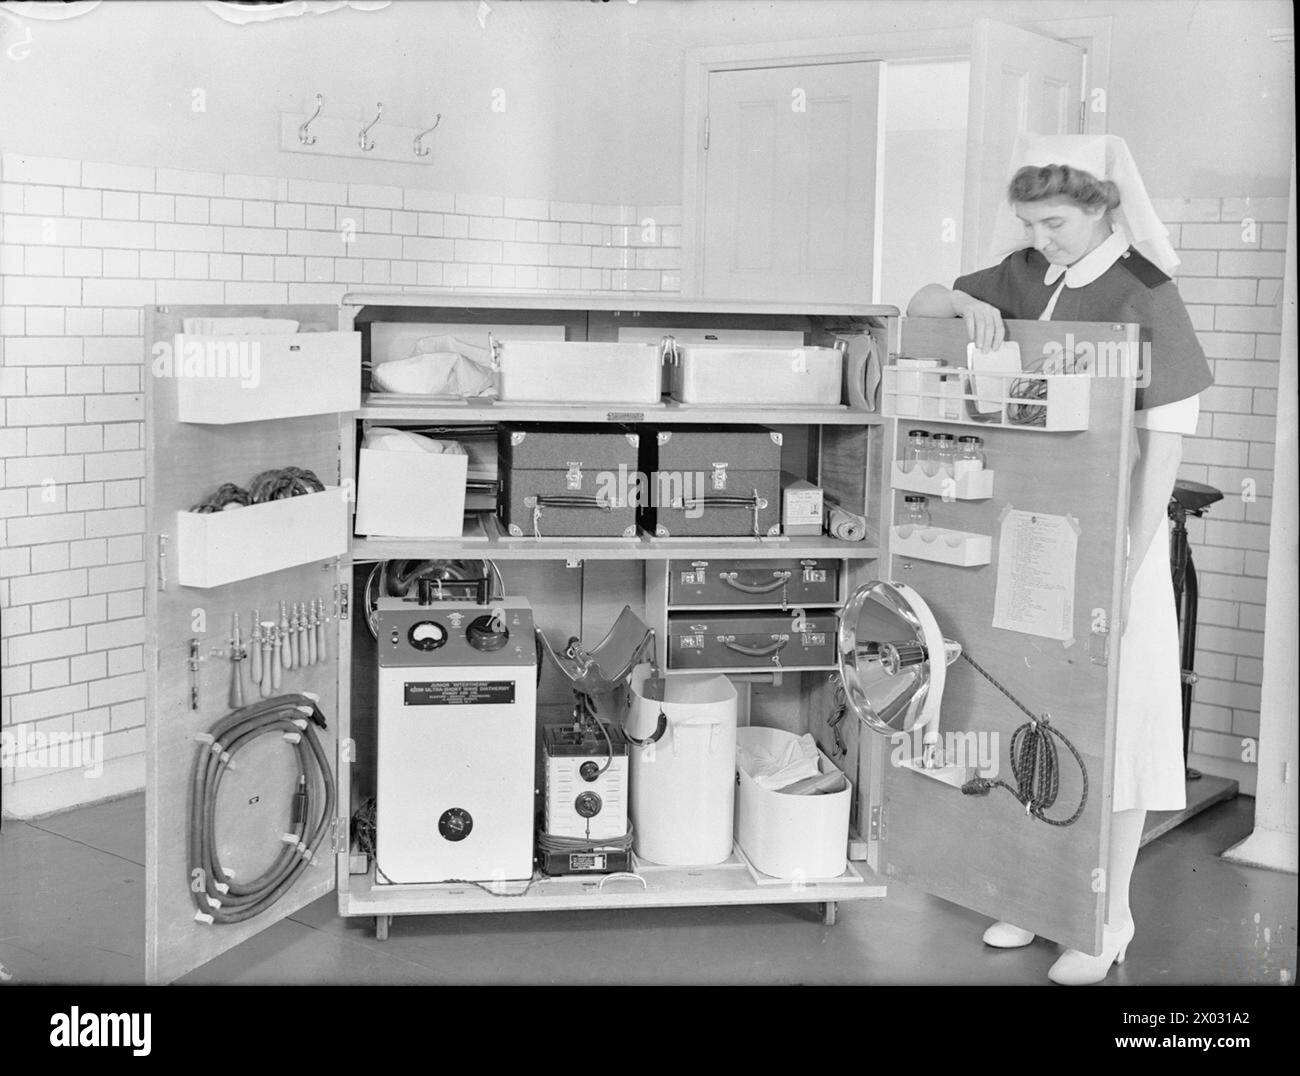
(983, 321)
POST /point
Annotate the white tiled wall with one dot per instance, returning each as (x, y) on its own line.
(85, 245)
(1233, 253)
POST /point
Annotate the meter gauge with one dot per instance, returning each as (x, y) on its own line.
(427, 635)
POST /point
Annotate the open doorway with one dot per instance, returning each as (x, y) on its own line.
(923, 176)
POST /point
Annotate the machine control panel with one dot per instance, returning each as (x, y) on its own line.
(447, 634)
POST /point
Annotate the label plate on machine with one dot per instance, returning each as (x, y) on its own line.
(459, 692)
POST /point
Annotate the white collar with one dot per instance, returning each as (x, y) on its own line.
(1091, 265)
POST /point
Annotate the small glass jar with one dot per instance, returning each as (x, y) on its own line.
(970, 453)
(945, 450)
(918, 449)
(916, 512)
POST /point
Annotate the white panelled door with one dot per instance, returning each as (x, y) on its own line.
(1019, 81)
(790, 207)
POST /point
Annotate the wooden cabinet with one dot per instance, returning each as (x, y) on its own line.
(982, 852)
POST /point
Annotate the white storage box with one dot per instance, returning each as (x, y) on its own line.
(718, 374)
(411, 494)
(216, 548)
(562, 371)
(228, 379)
(791, 836)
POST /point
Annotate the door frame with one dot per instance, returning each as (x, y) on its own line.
(941, 43)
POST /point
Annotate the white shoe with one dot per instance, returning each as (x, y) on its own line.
(1007, 936)
(1078, 969)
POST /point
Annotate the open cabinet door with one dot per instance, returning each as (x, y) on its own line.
(200, 434)
(985, 852)
(1019, 81)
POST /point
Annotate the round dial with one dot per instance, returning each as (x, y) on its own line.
(587, 804)
(455, 824)
(589, 771)
(427, 635)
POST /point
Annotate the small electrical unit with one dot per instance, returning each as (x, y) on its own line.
(585, 827)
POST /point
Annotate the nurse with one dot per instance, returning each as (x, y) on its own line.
(1088, 246)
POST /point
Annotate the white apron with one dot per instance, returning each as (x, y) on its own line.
(1149, 768)
(1149, 771)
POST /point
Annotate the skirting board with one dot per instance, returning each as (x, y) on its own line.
(1270, 849)
(1201, 795)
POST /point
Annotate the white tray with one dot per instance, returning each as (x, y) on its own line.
(938, 544)
(216, 548)
(916, 394)
(974, 485)
(291, 374)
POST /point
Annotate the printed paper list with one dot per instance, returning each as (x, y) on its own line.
(1035, 590)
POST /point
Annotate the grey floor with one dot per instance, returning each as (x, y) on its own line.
(72, 910)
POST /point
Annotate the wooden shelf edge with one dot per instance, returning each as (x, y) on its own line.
(372, 549)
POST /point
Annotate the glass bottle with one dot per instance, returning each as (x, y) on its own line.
(945, 451)
(916, 512)
(918, 449)
(970, 453)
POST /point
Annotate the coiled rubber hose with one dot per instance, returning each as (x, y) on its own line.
(232, 900)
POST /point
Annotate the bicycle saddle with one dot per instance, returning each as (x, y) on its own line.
(1195, 496)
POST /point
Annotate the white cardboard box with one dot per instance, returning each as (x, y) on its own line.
(410, 494)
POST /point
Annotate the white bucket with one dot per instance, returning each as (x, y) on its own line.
(790, 836)
(683, 767)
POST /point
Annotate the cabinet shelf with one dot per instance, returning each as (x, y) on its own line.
(382, 407)
(729, 882)
(751, 670)
(372, 549)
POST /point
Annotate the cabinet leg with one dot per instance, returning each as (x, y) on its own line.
(381, 927)
(828, 913)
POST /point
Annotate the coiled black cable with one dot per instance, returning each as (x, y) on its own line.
(216, 895)
(1035, 763)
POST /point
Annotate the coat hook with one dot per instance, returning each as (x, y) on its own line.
(422, 150)
(364, 142)
(303, 137)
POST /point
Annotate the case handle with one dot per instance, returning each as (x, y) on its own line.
(755, 504)
(758, 651)
(779, 579)
(538, 503)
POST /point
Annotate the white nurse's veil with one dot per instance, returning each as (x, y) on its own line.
(1106, 157)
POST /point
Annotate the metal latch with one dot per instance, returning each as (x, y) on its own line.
(573, 476)
(719, 476)
(343, 600)
(339, 841)
(876, 824)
